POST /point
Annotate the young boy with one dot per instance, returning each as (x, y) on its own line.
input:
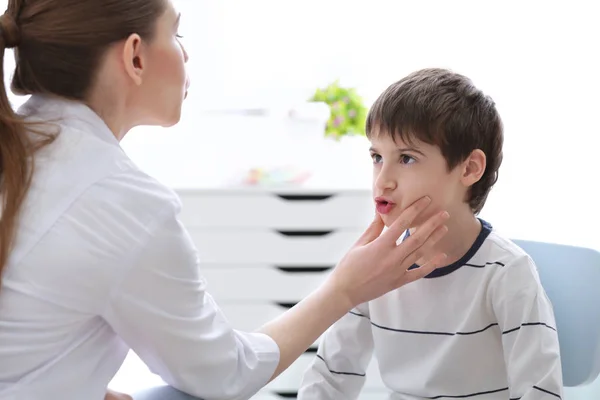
(481, 327)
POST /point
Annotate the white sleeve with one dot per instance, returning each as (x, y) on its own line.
(529, 338)
(338, 372)
(162, 311)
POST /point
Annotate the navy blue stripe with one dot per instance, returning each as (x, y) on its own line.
(546, 391)
(434, 332)
(486, 229)
(528, 324)
(452, 333)
(541, 390)
(424, 332)
(338, 372)
(485, 265)
(358, 314)
(464, 396)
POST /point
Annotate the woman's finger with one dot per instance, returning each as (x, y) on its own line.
(405, 221)
(428, 249)
(424, 270)
(419, 255)
(372, 232)
(422, 240)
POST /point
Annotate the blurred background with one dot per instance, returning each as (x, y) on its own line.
(255, 66)
(538, 60)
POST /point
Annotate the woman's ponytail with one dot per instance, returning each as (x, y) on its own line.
(15, 149)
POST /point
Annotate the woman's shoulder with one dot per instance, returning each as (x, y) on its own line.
(134, 195)
(82, 187)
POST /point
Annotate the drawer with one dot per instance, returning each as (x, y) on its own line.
(278, 247)
(289, 210)
(251, 283)
(291, 379)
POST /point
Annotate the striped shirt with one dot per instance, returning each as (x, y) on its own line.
(480, 328)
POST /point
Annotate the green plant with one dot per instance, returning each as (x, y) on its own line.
(348, 112)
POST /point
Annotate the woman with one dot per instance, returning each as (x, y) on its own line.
(94, 259)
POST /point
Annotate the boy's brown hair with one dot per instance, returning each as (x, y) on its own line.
(443, 108)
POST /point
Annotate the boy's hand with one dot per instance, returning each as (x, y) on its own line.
(112, 395)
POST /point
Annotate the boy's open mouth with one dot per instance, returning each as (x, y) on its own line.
(383, 206)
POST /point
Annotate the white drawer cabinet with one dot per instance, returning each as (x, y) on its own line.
(299, 209)
(275, 247)
(263, 284)
(263, 251)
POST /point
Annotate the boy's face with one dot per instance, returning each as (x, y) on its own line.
(403, 173)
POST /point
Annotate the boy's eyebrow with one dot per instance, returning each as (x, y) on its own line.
(401, 150)
(178, 20)
(411, 149)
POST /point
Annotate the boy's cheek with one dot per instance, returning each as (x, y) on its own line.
(431, 210)
(389, 219)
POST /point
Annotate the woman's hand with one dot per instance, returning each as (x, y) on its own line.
(373, 266)
(112, 395)
(376, 264)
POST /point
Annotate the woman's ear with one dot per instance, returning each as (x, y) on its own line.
(133, 59)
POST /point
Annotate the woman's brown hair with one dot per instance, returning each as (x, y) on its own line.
(58, 47)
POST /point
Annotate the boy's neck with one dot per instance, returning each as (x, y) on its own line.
(463, 229)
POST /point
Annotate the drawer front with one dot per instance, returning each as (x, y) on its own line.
(265, 284)
(281, 211)
(279, 247)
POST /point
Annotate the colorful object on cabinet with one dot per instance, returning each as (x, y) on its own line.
(275, 176)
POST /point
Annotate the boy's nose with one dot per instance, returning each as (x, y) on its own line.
(385, 182)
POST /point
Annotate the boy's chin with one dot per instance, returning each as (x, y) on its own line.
(388, 220)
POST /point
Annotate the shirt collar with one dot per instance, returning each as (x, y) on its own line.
(67, 112)
(486, 229)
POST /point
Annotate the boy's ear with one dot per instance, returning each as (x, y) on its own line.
(473, 168)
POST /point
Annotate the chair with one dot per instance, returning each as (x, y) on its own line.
(571, 277)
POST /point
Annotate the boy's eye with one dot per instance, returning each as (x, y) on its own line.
(404, 159)
(376, 158)
(178, 36)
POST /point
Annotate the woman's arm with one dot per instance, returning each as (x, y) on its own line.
(161, 309)
(374, 266)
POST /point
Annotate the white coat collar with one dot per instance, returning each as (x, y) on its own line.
(67, 112)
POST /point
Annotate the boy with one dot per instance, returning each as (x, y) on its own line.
(481, 327)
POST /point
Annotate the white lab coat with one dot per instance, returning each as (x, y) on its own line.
(102, 264)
